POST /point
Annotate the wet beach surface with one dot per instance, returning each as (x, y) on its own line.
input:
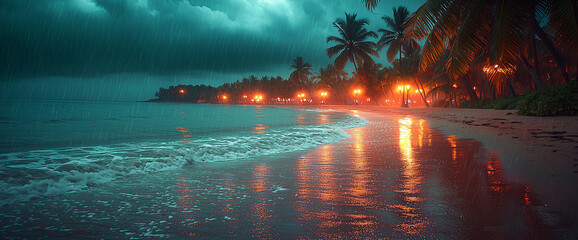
(394, 178)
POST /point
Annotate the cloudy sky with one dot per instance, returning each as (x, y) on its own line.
(127, 49)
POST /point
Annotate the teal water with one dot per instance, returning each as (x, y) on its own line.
(54, 147)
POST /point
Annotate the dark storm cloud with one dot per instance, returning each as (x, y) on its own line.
(127, 49)
(84, 37)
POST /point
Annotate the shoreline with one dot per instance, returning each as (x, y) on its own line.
(540, 151)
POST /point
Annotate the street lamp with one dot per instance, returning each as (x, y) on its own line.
(404, 90)
(356, 93)
(323, 96)
(301, 97)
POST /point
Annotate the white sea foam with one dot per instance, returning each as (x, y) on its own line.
(25, 175)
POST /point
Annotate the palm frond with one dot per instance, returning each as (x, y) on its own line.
(336, 39)
(564, 20)
(470, 41)
(371, 4)
(437, 41)
(341, 60)
(393, 50)
(508, 33)
(332, 51)
(422, 22)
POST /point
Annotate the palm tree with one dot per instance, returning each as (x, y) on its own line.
(494, 32)
(330, 78)
(395, 35)
(352, 43)
(371, 4)
(301, 73)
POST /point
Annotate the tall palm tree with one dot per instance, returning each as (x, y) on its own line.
(300, 75)
(352, 44)
(395, 35)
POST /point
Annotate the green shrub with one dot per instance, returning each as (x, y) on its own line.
(551, 101)
(505, 103)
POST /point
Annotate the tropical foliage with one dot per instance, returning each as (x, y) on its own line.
(353, 43)
(502, 54)
(300, 76)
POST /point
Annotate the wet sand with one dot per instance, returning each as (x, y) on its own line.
(397, 177)
(541, 152)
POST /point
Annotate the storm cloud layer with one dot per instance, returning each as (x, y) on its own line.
(193, 38)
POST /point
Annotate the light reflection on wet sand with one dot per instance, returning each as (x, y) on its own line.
(394, 178)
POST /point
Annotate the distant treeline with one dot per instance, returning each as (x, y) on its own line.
(241, 91)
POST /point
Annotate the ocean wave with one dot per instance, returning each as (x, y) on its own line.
(46, 172)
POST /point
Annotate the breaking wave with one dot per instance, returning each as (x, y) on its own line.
(55, 171)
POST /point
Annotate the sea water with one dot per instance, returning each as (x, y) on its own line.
(51, 147)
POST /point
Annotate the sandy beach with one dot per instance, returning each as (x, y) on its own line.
(405, 174)
(539, 151)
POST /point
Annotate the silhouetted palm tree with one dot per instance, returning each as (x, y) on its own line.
(395, 37)
(330, 78)
(491, 31)
(352, 43)
(301, 73)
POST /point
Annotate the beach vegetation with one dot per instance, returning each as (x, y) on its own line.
(300, 76)
(353, 44)
(551, 101)
(478, 54)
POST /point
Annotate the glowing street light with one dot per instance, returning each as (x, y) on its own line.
(323, 96)
(356, 93)
(404, 90)
(301, 97)
(182, 91)
(224, 98)
(258, 98)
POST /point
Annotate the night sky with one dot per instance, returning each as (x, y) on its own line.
(127, 49)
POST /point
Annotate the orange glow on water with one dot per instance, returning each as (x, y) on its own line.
(259, 128)
(261, 214)
(413, 223)
(405, 139)
(453, 144)
(186, 133)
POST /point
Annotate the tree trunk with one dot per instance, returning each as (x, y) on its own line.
(336, 95)
(535, 77)
(552, 49)
(536, 59)
(421, 92)
(511, 87)
(471, 92)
